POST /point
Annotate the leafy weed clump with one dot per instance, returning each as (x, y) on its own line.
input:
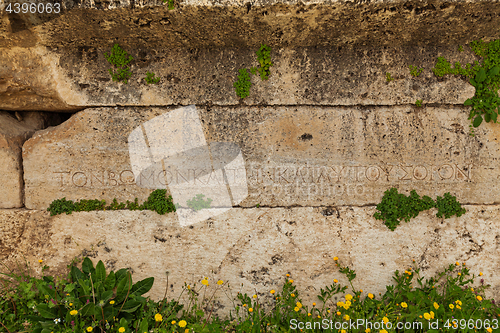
(120, 59)
(396, 207)
(484, 77)
(157, 202)
(243, 84)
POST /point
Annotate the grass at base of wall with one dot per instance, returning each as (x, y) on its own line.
(89, 299)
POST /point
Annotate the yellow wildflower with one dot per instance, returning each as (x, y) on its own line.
(314, 304)
(436, 306)
(70, 304)
(40, 261)
(293, 295)
(158, 317)
(173, 322)
(404, 305)
(480, 273)
(73, 312)
(111, 302)
(121, 329)
(339, 304)
(459, 307)
(368, 330)
(336, 258)
(427, 316)
(479, 298)
(291, 281)
(370, 295)
(432, 315)
(458, 302)
(272, 291)
(489, 329)
(348, 297)
(204, 282)
(220, 282)
(385, 319)
(451, 306)
(250, 310)
(89, 329)
(182, 323)
(346, 317)
(335, 281)
(338, 313)
(296, 309)
(254, 296)
(308, 314)
(383, 331)
(299, 304)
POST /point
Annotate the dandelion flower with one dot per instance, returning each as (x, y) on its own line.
(458, 302)
(158, 317)
(346, 317)
(182, 323)
(89, 329)
(296, 309)
(70, 304)
(348, 297)
(436, 306)
(40, 261)
(314, 304)
(121, 329)
(370, 295)
(111, 302)
(293, 295)
(368, 330)
(220, 282)
(489, 329)
(272, 291)
(432, 315)
(173, 322)
(299, 304)
(479, 298)
(204, 282)
(250, 310)
(335, 281)
(452, 306)
(308, 314)
(480, 273)
(459, 307)
(291, 281)
(385, 319)
(288, 275)
(336, 258)
(427, 316)
(73, 312)
(404, 305)
(457, 263)
(338, 313)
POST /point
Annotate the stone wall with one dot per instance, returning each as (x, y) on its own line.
(312, 149)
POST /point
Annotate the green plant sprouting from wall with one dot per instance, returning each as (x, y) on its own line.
(157, 201)
(415, 71)
(396, 207)
(150, 78)
(198, 203)
(418, 103)
(120, 59)
(170, 4)
(388, 77)
(485, 78)
(243, 84)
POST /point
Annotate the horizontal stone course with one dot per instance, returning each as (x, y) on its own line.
(257, 247)
(305, 156)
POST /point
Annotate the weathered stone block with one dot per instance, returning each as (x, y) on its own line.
(305, 156)
(13, 133)
(257, 247)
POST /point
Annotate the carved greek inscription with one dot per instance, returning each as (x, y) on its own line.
(284, 175)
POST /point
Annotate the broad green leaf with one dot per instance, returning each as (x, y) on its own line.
(477, 121)
(106, 296)
(88, 310)
(142, 286)
(487, 117)
(472, 82)
(46, 312)
(481, 75)
(120, 274)
(123, 287)
(130, 306)
(87, 266)
(100, 272)
(494, 71)
(144, 326)
(76, 274)
(494, 116)
(110, 281)
(85, 287)
(468, 102)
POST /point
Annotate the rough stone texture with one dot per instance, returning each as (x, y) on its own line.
(305, 156)
(86, 157)
(229, 23)
(257, 247)
(74, 78)
(13, 133)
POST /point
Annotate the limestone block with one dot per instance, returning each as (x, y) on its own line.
(13, 133)
(291, 156)
(86, 157)
(256, 247)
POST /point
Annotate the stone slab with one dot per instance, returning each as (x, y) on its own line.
(13, 133)
(256, 247)
(238, 23)
(71, 79)
(291, 156)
